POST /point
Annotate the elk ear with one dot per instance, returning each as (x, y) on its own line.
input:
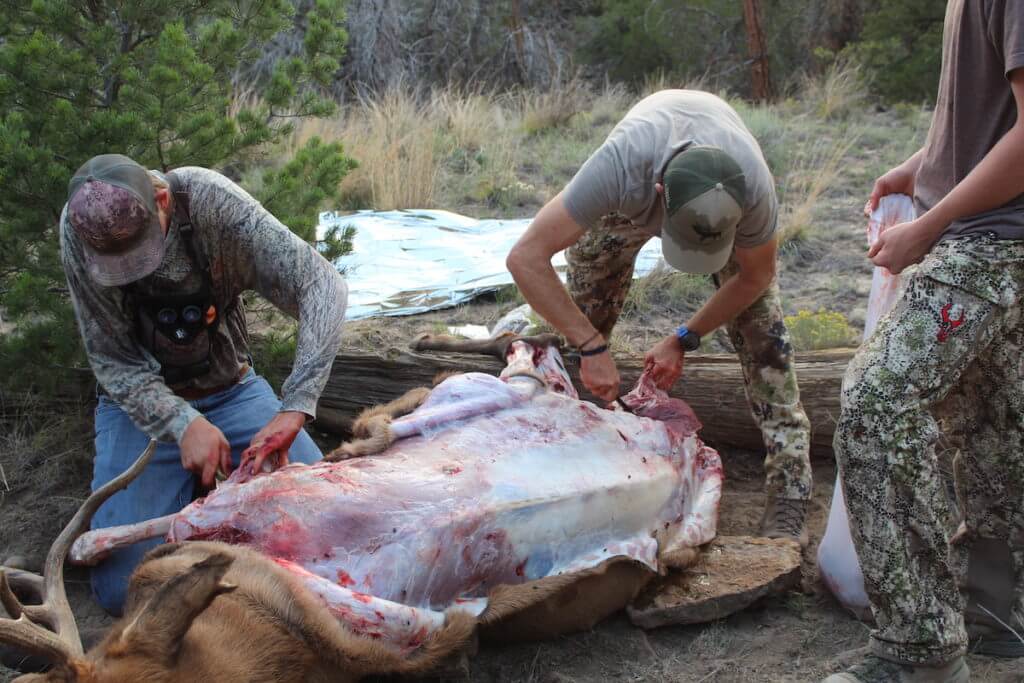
(160, 625)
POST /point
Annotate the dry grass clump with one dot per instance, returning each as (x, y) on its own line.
(553, 108)
(394, 139)
(665, 288)
(838, 93)
(813, 171)
(471, 119)
(609, 105)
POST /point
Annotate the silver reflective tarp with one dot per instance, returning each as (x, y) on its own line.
(413, 261)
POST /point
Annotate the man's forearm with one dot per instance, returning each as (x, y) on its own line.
(734, 297)
(321, 302)
(540, 286)
(913, 162)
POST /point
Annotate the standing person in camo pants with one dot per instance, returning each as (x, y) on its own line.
(681, 165)
(959, 329)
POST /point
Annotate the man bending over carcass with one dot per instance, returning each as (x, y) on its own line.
(681, 165)
(156, 265)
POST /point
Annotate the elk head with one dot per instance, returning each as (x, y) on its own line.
(137, 648)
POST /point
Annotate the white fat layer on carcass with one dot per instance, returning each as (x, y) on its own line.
(535, 489)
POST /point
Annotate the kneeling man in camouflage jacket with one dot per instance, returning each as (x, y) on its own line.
(156, 265)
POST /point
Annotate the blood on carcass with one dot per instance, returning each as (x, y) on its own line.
(546, 485)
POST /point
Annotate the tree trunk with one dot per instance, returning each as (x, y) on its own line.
(760, 83)
(712, 385)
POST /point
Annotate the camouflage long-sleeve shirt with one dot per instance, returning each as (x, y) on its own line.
(247, 249)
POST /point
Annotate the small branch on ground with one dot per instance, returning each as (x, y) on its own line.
(1002, 623)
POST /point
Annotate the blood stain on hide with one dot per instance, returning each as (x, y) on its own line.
(362, 597)
(345, 579)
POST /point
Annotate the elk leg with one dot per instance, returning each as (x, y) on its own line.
(93, 546)
(403, 405)
(383, 432)
(497, 347)
(368, 615)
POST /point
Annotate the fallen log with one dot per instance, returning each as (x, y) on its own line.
(712, 384)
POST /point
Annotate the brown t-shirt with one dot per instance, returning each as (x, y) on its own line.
(983, 41)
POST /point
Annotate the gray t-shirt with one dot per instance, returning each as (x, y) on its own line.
(982, 43)
(620, 176)
(247, 249)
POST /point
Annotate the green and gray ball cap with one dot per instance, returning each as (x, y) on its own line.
(704, 197)
(112, 209)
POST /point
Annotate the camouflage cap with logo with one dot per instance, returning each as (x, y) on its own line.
(704, 193)
(112, 209)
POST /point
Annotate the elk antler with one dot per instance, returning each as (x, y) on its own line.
(49, 629)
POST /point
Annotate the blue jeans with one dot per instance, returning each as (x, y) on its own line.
(165, 487)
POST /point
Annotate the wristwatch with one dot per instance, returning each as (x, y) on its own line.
(688, 341)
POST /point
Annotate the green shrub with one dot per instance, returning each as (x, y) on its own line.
(901, 49)
(822, 330)
(151, 80)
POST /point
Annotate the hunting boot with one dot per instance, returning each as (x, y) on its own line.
(785, 518)
(873, 669)
(989, 591)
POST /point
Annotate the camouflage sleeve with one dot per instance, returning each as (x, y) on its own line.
(256, 251)
(126, 371)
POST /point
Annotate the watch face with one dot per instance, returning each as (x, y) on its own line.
(690, 341)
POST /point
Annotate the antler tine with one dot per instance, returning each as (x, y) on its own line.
(55, 610)
(8, 599)
(32, 638)
(22, 580)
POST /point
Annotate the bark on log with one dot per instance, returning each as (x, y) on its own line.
(711, 384)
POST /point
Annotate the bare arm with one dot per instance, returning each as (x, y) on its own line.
(756, 272)
(993, 182)
(552, 230)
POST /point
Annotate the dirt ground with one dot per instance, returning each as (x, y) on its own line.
(791, 637)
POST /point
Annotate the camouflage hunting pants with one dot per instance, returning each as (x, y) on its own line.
(956, 337)
(600, 273)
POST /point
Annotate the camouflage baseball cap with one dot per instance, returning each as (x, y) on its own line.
(112, 209)
(704, 196)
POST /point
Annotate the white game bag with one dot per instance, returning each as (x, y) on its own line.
(837, 559)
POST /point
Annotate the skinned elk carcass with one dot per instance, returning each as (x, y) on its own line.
(501, 504)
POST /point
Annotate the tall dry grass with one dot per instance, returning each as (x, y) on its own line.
(815, 169)
(543, 110)
(480, 151)
(426, 149)
(394, 139)
(839, 92)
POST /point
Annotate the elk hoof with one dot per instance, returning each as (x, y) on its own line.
(419, 340)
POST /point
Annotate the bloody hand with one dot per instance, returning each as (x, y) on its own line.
(664, 362)
(271, 444)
